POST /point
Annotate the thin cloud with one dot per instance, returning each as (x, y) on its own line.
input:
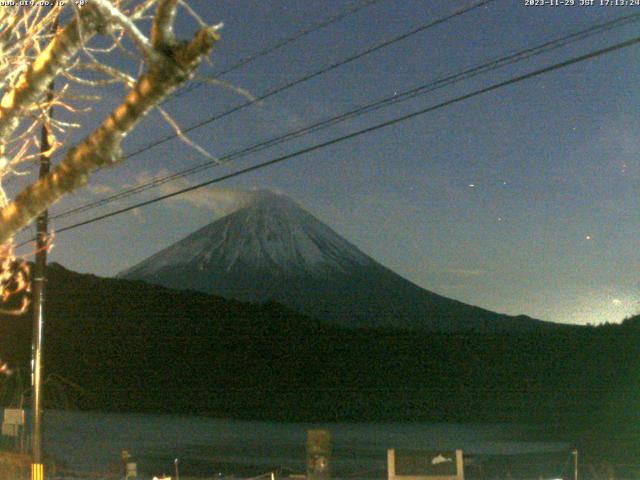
(220, 201)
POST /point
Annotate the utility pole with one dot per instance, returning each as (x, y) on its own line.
(575, 463)
(39, 281)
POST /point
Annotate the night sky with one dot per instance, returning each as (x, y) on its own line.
(521, 200)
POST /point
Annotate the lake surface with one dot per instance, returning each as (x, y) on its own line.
(92, 442)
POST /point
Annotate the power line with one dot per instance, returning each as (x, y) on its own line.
(317, 73)
(310, 76)
(326, 69)
(384, 102)
(364, 131)
(279, 44)
(261, 53)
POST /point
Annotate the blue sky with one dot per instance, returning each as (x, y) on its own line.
(522, 200)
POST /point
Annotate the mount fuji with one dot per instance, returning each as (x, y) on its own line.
(271, 249)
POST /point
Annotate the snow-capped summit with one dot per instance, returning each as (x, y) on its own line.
(269, 232)
(270, 248)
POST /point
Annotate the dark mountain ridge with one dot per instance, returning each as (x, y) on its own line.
(138, 347)
(274, 250)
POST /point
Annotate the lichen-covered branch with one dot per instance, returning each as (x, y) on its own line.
(102, 147)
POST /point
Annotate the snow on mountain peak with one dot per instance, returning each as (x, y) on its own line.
(271, 249)
(269, 232)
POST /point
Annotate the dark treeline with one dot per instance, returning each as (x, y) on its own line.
(136, 347)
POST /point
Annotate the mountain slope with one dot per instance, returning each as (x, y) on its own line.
(272, 249)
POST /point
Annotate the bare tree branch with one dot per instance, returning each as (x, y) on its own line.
(139, 39)
(162, 28)
(175, 64)
(33, 83)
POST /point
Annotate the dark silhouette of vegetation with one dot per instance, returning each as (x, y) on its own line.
(137, 347)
